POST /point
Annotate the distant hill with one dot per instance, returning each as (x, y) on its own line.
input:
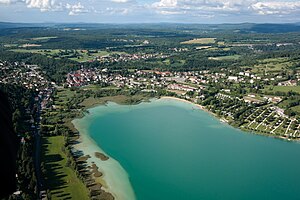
(6, 25)
(241, 27)
(275, 28)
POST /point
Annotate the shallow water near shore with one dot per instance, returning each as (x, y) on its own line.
(168, 149)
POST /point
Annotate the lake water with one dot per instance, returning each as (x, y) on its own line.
(172, 150)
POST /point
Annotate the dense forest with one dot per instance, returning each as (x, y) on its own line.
(22, 105)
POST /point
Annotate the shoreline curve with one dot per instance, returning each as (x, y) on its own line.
(114, 179)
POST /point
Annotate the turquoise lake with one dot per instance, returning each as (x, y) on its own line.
(172, 150)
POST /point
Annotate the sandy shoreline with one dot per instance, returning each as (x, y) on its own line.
(186, 101)
(196, 105)
(114, 178)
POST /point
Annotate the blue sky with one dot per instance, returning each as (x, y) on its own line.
(146, 11)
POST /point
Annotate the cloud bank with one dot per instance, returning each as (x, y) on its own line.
(166, 9)
(246, 7)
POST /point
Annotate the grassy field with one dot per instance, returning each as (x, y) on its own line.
(97, 87)
(272, 65)
(233, 57)
(83, 56)
(40, 51)
(43, 38)
(60, 179)
(63, 96)
(200, 41)
(119, 99)
(288, 104)
(283, 89)
(296, 109)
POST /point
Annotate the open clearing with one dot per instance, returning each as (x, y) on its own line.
(200, 41)
(233, 57)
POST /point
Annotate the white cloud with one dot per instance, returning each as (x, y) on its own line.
(43, 5)
(201, 7)
(276, 7)
(226, 7)
(120, 1)
(165, 4)
(76, 9)
(164, 12)
(51, 5)
(5, 1)
(235, 10)
(10, 1)
(117, 11)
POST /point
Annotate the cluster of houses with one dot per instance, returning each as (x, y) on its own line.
(124, 57)
(29, 76)
(45, 97)
(91, 76)
(181, 87)
(267, 117)
(288, 83)
(180, 81)
(184, 80)
(147, 80)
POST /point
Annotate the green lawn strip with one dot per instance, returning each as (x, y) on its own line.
(253, 125)
(283, 89)
(296, 109)
(60, 179)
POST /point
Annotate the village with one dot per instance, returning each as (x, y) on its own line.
(29, 76)
(124, 57)
(188, 85)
